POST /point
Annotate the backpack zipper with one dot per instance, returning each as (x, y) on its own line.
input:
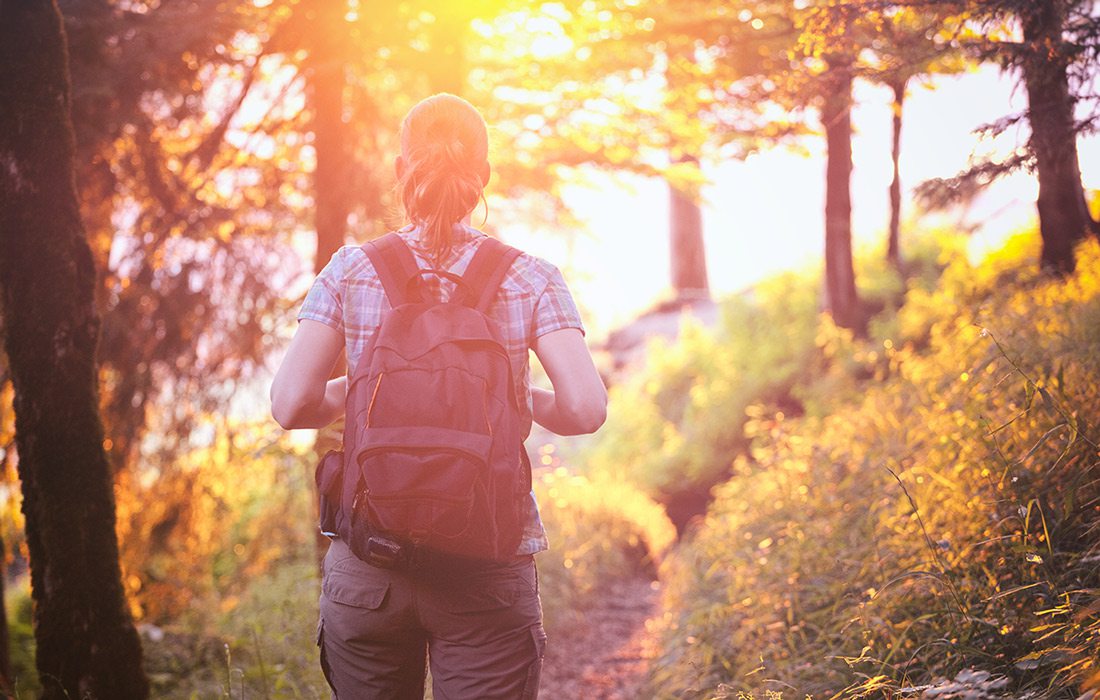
(373, 396)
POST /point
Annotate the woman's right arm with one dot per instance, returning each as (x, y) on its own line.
(578, 402)
(302, 395)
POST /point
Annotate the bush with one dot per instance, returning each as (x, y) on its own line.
(599, 531)
(676, 426)
(945, 519)
(673, 427)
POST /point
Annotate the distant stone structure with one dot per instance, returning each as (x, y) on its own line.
(625, 347)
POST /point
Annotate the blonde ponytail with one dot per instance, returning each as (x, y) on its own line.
(445, 147)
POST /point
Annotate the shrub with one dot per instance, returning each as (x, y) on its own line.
(673, 427)
(943, 516)
(599, 530)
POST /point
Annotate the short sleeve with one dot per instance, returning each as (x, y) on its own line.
(555, 308)
(324, 300)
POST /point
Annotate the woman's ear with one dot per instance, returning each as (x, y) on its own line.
(484, 172)
(399, 167)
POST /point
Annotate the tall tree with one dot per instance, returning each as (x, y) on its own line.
(831, 39)
(836, 116)
(909, 44)
(86, 642)
(1063, 215)
(687, 252)
(1055, 46)
(326, 39)
(189, 164)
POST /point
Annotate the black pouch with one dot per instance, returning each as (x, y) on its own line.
(329, 477)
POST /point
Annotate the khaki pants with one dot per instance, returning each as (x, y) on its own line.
(481, 630)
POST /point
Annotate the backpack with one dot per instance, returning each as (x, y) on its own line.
(433, 464)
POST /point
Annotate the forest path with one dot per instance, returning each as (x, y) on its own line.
(605, 653)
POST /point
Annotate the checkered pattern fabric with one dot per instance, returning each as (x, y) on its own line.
(533, 300)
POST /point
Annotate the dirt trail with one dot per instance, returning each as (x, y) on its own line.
(605, 654)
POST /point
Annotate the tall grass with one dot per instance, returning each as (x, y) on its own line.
(938, 521)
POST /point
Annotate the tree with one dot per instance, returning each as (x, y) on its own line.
(86, 642)
(909, 44)
(836, 116)
(1054, 45)
(326, 38)
(824, 62)
(189, 166)
(624, 87)
(1044, 58)
(687, 253)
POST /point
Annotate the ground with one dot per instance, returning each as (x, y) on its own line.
(605, 653)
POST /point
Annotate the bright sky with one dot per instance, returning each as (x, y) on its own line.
(766, 214)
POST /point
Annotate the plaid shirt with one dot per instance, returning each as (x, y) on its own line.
(533, 300)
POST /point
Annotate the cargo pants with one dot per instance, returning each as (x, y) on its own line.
(479, 629)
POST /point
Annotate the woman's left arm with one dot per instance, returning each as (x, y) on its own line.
(302, 395)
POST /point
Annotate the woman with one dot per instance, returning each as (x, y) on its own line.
(480, 632)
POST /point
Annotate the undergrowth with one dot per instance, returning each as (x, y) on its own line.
(599, 530)
(930, 525)
(675, 424)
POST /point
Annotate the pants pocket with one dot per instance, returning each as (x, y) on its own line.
(325, 668)
(534, 672)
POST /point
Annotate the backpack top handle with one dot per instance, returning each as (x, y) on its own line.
(460, 295)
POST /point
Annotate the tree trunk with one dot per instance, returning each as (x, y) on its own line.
(840, 282)
(86, 642)
(687, 254)
(893, 247)
(325, 81)
(1063, 214)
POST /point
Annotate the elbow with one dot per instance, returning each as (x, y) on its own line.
(594, 420)
(287, 412)
(283, 415)
(588, 417)
(285, 420)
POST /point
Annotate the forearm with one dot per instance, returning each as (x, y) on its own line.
(323, 408)
(547, 413)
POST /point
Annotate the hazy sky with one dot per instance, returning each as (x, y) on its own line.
(766, 213)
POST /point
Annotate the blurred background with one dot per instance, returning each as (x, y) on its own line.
(851, 448)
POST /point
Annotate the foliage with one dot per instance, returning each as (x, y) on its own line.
(228, 594)
(658, 436)
(675, 426)
(939, 519)
(250, 631)
(222, 526)
(20, 610)
(264, 645)
(599, 530)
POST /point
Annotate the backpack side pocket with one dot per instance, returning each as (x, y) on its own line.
(329, 476)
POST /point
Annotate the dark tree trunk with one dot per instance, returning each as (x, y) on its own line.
(840, 282)
(687, 254)
(332, 143)
(86, 643)
(893, 247)
(1063, 214)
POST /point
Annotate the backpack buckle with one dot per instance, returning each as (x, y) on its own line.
(383, 553)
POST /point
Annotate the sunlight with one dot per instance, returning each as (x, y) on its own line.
(869, 478)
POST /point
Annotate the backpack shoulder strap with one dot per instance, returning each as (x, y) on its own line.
(395, 265)
(486, 271)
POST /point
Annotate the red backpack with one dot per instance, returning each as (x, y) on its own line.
(433, 465)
